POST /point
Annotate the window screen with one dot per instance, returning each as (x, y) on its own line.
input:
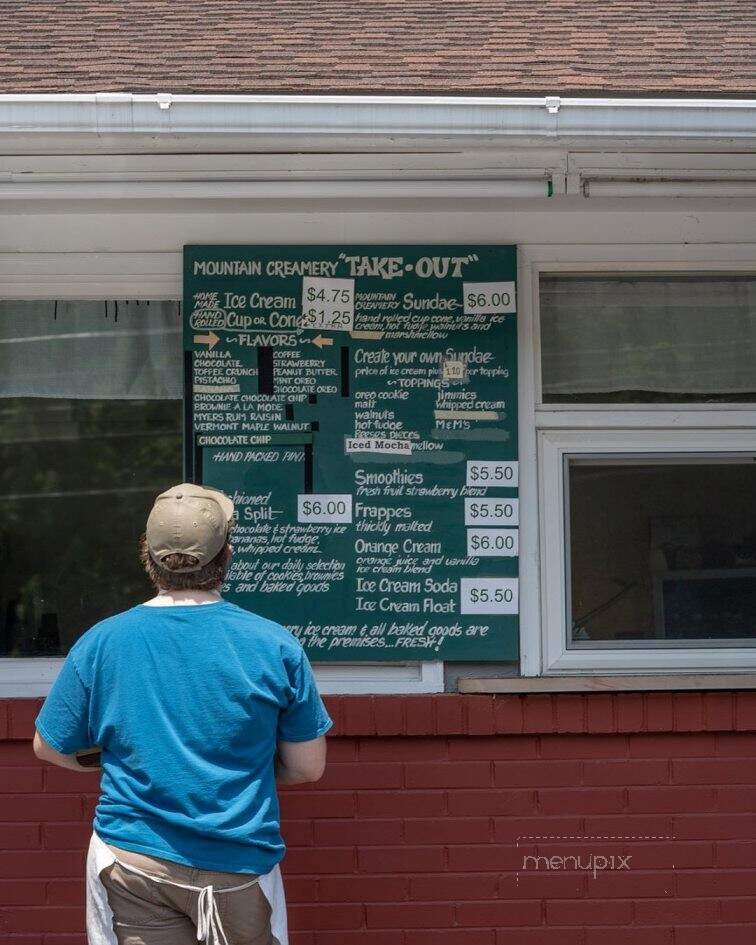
(90, 432)
(648, 338)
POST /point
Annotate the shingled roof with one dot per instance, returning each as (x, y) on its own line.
(464, 47)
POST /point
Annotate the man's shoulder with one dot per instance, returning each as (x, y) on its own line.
(105, 627)
(89, 646)
(275, 633)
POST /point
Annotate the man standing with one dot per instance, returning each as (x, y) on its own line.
(198, 707)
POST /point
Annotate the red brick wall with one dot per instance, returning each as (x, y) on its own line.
(412, 836)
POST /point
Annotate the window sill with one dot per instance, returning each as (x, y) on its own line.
(32, 677)
(617, 683)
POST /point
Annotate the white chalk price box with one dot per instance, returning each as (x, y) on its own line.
(324, 508)
(492, 512)
(493, 542)
(489, 298)
(453, 370)
(327, 303)
(492, 473)
(489, 596)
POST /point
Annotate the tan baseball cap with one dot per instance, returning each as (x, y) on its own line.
(189, 520)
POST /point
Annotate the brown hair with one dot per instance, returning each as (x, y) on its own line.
(163, 576)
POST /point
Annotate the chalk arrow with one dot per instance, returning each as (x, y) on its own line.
(210, 339)
(319, 340)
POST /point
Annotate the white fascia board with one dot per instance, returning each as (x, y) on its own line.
(277, 190)
(635, 164)
(671, 188)
(332, 116)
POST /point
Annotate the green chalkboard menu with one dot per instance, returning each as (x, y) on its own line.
(359, 403)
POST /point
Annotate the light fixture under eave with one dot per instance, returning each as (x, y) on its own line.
(670, 188)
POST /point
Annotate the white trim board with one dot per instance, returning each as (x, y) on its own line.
(29, 677)
(700, 682)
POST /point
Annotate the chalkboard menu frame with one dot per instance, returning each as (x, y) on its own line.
(360, 405)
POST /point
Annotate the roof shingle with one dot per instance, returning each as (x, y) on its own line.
(472, 47)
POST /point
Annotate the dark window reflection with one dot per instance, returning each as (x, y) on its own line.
(642, 338)
(77, 479)
(662, 551)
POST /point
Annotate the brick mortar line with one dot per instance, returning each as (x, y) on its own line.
(593, 837)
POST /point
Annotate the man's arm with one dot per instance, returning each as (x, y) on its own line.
(45, 752)
(300, 762)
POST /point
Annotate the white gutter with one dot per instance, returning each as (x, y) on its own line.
(335, 115)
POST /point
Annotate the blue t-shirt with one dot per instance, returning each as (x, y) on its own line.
(187, 703)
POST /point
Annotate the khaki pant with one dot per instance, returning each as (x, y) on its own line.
(154, 911)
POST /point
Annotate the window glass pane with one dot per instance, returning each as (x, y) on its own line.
(662, 552)
(648, 338)
(90, 350)
(90, 431)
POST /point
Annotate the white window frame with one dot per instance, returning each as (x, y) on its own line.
(50, 276)
(553, 447)
(621, 429)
